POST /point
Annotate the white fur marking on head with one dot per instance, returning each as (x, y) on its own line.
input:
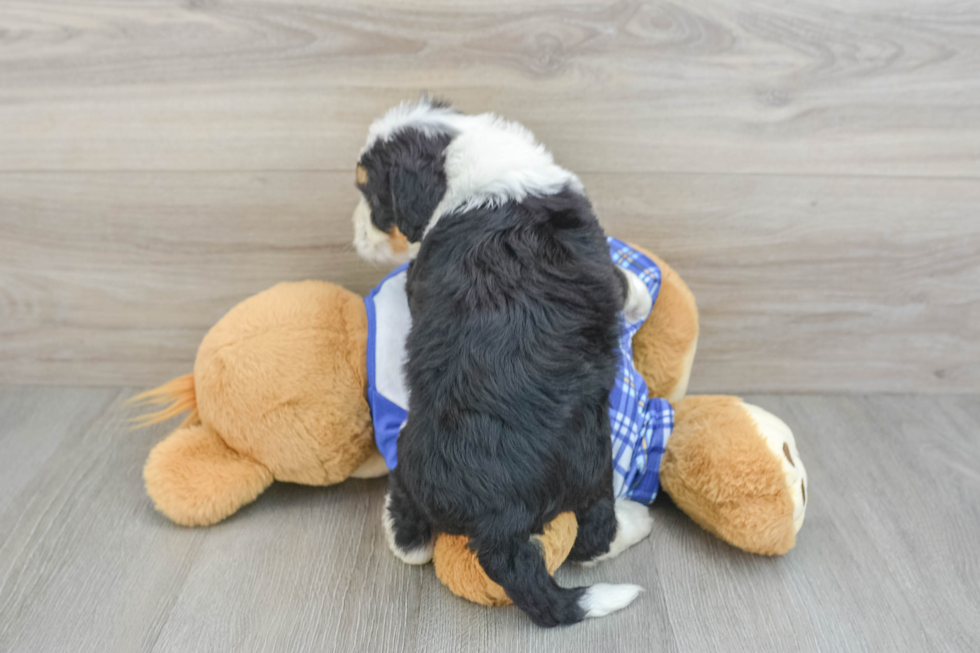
(419, 114)
(491, 161)
(418, 556)
(602, 599)
(633, 523)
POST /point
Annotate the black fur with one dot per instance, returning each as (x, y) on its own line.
(511, 359)
(405, 181)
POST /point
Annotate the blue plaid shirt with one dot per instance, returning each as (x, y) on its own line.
(640, 425)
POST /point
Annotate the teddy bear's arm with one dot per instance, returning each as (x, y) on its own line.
(664, 347)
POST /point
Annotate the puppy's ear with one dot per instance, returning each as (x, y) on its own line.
(417, 188)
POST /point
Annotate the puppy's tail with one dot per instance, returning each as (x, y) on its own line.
(518, 566)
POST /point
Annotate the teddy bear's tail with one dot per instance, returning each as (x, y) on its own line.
(178, 393)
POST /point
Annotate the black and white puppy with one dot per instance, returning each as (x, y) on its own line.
(512, 352)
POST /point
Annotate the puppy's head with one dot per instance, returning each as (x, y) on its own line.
(401, 176)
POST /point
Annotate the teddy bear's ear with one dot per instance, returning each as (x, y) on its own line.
(195, 479)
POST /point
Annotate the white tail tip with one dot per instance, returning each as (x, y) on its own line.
(602, 599)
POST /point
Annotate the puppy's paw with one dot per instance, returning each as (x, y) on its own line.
(633, 523)
(417, 556)
(638, 300)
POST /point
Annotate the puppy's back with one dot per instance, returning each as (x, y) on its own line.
(511, 358)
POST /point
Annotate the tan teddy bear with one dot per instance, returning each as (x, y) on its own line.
(278, 392)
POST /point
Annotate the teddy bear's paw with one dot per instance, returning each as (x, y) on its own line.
(417, 556)
(633, 524)
(373, 467)
(779, 439)
(638, 300)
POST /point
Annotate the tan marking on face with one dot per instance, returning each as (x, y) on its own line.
(397, 240)
(361, 174)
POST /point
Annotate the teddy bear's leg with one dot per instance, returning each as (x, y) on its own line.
(734, 469)
(196, 480)
(283, 378)
(664, 347)
(782, 444)
(373, 467)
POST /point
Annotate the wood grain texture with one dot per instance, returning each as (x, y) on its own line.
(811, 168)
(817, 283)
(885, 561)
(804, 283)
(119, 276)
(700, 86)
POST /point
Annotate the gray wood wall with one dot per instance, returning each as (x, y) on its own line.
(811, 168)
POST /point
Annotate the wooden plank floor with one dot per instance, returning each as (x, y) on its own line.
(812, 168)
(886, 561)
